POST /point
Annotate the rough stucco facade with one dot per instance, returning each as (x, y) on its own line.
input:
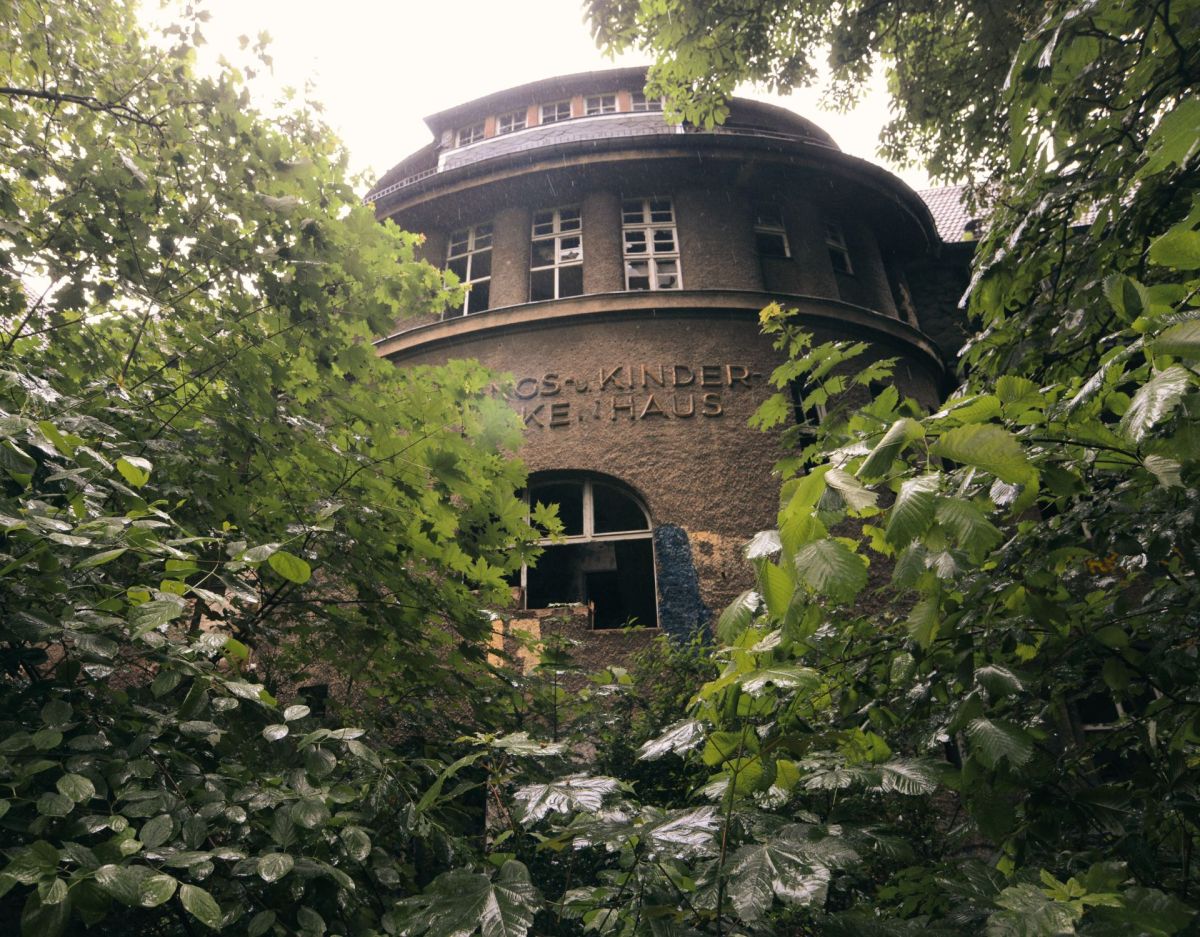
(637, 374)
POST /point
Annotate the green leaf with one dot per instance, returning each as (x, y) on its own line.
(924, 621)
(122, 882)
(155, 890)
(973, 531)
(1153, 401)
(295, 711)
(1181, 340)
(998, 681)
(830, 568)
(912, 513)
(996, 739)
(1174, 140)
(77, 787)
(157, 831)
(906, 776)
(574, 793)
(778, 868)
(311, 923)
(260, 924)
(850, 489)
(988, 447)
(460, 902)
(57, 713)
(153, 614)
(274, 733)
(781, 676)
(290, 567)
(883, 455)
(310, 812)
(134, 469)
(1178, 248)
(676, 739)
(99, 559)
(777, 587)
(200, 905)
(737, 615)
(259, 553)
(356, 842)
(274, 866)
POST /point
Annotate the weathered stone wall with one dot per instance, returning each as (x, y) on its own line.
(661, 403)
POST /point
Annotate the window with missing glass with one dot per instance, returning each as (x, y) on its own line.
(556, 111)
(600, 104)
(650, 244)
(556, 254)
(839, 253)
(509, 123)
(605, 557)
(469, 256)
(639, 102)
(770, 236)
(472, 134)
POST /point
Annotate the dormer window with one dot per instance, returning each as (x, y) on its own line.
(839, 254)
(559, 110)
(639, 102)
(472, 134)
(510, 123)
(770, 236)
(600, 104)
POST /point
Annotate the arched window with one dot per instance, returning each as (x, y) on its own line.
(606, 556)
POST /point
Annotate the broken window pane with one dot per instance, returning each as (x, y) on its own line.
(541, 285)
(570, 281)
(635, 242)
(543, 253)
(614, 512)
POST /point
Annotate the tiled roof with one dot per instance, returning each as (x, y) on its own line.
(950, 213)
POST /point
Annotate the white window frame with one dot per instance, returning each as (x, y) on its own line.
(649, 226)
(556, 233)
(468, 135)
(768, 220)
(542, 118)
(835, 240)
(589, 534)
(517, 120)
(477, 240)
(597, 105)
(639, 103)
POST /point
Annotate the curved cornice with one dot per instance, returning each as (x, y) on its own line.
(745, 305)
(794, 152)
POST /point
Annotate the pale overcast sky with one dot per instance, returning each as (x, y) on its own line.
(380, 67)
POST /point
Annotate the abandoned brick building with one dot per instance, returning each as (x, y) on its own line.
(616, 267)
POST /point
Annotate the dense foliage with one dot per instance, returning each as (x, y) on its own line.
(213, 493)
(962, 698)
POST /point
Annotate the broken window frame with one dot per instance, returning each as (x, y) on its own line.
(839, 253)
(469, 245)
(648, 217)
(512, 121)
(588, 532)
(597, 105)
(768, 224)
(639, 103)
(468, 135)
(551, 112)
(557, 229)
